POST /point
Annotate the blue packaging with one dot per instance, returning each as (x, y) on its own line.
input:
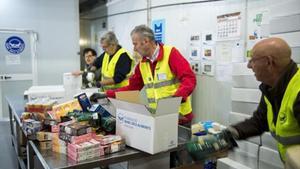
(84, 102)
(99, 109)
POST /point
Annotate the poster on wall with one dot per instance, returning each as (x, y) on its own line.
(224, 52)
(229, 26)
(224, 61)
(159, 27)
(15, 45)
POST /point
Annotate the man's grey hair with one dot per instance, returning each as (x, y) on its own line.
(110, 38)
(144, 31)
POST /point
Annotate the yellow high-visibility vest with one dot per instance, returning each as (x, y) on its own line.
(286, 131)
(108, 69)
(163, 83)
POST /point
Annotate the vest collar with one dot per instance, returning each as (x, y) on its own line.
(118, 48)
(279, 89)
(160, 53)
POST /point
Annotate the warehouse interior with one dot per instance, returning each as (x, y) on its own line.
(55, 34)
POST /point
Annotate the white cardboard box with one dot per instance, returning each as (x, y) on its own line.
(55, 92)
(151, 133)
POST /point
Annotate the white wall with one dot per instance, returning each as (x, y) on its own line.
(212, 98)
(181, 21)
(122, 25)
(57, 25)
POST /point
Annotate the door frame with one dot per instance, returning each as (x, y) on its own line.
(33, 37)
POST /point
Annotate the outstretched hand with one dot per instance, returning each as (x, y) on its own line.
(94, 97)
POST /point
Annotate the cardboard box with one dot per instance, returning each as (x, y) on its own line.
(45, 145)
(151, 133)
(63, 108)
(292, 157)
(54, 92)
(43, 136)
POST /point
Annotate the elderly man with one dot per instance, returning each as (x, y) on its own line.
(163, 71)
(279, 107)
(115, 63)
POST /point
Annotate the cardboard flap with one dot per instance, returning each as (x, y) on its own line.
(133, 107)
(168, 106)
(129, 96)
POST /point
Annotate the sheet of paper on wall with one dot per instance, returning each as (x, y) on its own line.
(208, 38)
(229, 26)
(258, 24)
(238, 51)
(12, 59)
(195, 39)
(265, 16)
(224, 72)
(224, 52)
(195, 53)
(208, 67)
(208, 52)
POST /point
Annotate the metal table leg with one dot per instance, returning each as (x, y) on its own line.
(30, 155)
(11, 124)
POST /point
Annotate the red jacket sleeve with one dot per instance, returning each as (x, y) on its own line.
(135, 83)
(182, 70)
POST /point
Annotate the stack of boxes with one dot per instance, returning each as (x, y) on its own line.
(58, 145)
(75, 133)
(111, 144)
(83, 151)
(34, 116)
(71, 131)
(45, 140)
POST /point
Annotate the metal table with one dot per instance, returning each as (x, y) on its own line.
(16, 108)
(51, 160)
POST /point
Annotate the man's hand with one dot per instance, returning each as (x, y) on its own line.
(230, 135)
(94, 97)
(185, 120)
(77, 73)
(233, 132)
(98, 84)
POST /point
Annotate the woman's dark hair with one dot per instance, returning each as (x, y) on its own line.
(86, 50)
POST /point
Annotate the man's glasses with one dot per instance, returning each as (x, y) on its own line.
(254, 59)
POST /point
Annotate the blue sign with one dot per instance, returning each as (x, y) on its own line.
(15, 45)
(159, 27)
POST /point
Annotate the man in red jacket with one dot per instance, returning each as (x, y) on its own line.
(163, 71)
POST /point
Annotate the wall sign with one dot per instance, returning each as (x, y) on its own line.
(159, 27)
(14, 45)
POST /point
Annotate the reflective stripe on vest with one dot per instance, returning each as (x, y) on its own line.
(109, 66)
(286, 140)
(163, 83)
(287, 130)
